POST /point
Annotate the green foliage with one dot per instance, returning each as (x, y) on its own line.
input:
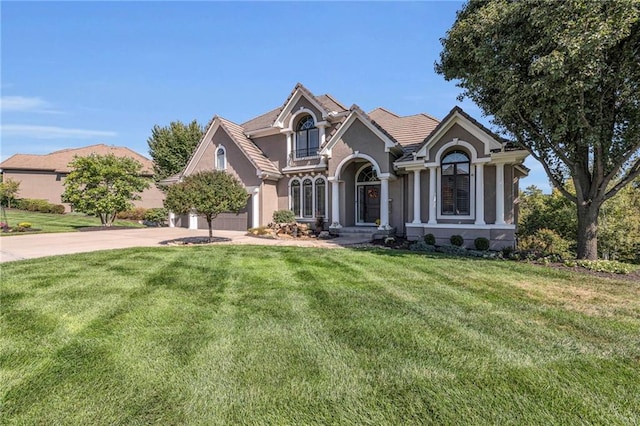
(422, 246)
(104, 185)
(156, 215)
(9, 189)
(562, 79)
(137, 213)
(36, 205)
(610, 266)
(171, 147)
(545, 242)
(207, 194)
(481, 244)
(283, 216)
(456, 240)
(430, 239)
(551, 211)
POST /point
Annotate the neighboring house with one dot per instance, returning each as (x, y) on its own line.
(374, 171)
(42, 176)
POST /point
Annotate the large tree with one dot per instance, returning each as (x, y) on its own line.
(171, 147)
(207, 194)
(104, 185)
(562, 78)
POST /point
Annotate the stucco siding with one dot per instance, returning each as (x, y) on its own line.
(274, 147)
(359, 138)
(460, 133)
(237, 163)
(268, 202)
(396, 213)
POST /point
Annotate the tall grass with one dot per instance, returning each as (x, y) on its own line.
(281, 335)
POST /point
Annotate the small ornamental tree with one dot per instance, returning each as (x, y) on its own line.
(9, 189)
(207, 194)
(104, 185)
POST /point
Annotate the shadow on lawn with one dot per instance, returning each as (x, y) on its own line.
(190, 241)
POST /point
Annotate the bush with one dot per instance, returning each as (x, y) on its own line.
(156, 215)
(430, 239)
(422, 246)
(57, 209)
(283, 216)
(40, 206)
(456, 240)
(606, 266)
(545, 242)
(481, 244)
(25, 225)
(134, 214)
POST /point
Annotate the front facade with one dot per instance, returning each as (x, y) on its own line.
(347, 169)
(42, 176)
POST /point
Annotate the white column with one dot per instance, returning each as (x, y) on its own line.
(480, 194)
(416, 196)
(172, 220)
(335, 203)
(384, 204)
(193, 221)
(289, 145)
(500, 194)
(432, 195)
(255, 207)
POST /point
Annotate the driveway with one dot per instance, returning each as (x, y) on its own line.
(32, 246)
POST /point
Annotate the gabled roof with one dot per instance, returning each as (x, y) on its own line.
(236, 133)
(457, 116)
(262, 121)
(58, 161)
(356, 113)
(325, 104)
(409, 131)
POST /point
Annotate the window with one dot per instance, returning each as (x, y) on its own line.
(308, 197)
(307, 138)
(456, 191)
(221, 159)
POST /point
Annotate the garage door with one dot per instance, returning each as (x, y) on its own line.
(229, 221)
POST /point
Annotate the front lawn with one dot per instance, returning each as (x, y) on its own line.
(284, 335)
(49, 222)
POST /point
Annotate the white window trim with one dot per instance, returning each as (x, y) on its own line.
(294, 136)
(314, 179)
(224, 158)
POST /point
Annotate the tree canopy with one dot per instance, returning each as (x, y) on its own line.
(207, 194)
(562, 78)
(104, 185)
(171, 147)
(9, 189)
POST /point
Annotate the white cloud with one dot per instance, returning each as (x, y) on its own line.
(52, 132)
(25, 104)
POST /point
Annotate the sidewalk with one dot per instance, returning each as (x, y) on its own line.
(22, 247)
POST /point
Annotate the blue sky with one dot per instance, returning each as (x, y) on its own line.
(81, 73)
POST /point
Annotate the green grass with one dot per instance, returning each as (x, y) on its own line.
(283, 335)
(49, 222)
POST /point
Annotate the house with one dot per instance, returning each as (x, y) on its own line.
(42, 176)
(357, 171)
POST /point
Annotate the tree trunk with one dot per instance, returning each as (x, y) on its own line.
(588, 230)
(210, 223)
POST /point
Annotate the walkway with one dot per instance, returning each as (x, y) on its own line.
(32, 246)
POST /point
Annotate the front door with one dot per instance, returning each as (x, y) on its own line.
(368, 207)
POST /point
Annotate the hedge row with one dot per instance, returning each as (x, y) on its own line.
(40, 206)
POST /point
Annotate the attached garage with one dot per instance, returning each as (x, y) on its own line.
(224, 221)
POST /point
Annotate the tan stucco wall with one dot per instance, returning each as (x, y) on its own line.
(150, 198)
(269, 202)
(274, 147)
(301, 103)
(457, 131)
(359, 138)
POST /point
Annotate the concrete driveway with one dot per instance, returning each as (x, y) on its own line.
(20, 247)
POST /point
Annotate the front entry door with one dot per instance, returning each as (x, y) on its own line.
(368, 203)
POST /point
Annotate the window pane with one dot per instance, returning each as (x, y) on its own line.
(462, 195)
(320, 197)
(462, 168)
(295, 197)
(307, 188)
(455, 157)
(448, 188)
(301, 144)
(220, 158)
(448, 169)
(314, 141)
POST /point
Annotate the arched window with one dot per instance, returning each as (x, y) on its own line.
(321, 197)
(368, 174)
(456, 184)
(295, 197)
(307, 138)
(221, 158)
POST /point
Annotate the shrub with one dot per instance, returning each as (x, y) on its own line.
(40, 206)
(57, 209)
(422, 246)
(456, 240)
(283, 216)
(25, 225)
(546, 242)
(134, 214)
(481, 243)
(156, 215)
(430, 239)
(606, 266)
